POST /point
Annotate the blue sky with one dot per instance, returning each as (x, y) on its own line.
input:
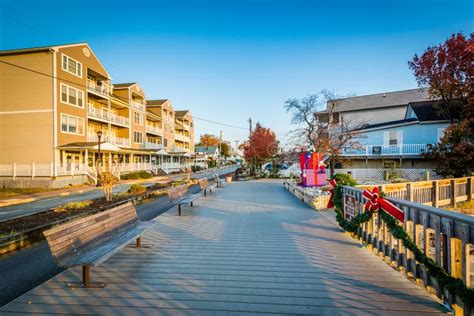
(228, 60)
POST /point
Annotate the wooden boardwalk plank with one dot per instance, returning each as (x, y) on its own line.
(250, 249)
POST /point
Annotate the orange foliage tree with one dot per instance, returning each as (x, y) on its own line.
(208, 140)
(262, 145)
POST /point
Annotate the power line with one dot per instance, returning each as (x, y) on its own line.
(116, 96)
(223, 124)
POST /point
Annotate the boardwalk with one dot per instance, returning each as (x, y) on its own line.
(250, 248)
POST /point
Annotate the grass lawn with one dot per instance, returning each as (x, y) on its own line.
(4, 193)
(465, 207)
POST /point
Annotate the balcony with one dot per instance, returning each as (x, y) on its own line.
(181, 138)
(138, 106)
(99, 89)
(384, 150)
(150, 145)
(107, 116)
(154, 130)
(118, 141)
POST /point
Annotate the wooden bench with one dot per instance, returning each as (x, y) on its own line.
(179, 196)
(205, 186)
(218, 180)
(91, 240)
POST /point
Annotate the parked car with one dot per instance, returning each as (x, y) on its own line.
(294, 170)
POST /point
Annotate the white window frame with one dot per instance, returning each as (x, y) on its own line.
(140, 118)
(399, 138)
(67, 116)
(67, 93)
(67, 63)
(141, 137)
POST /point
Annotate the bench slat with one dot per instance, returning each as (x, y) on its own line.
(84, 219)
(97, 253)
(92, 233)
(81, 228)
(75, 235)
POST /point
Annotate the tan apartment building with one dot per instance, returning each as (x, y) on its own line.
(53, 102)
(184, 130)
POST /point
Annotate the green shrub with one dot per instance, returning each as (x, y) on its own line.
(398, 180)
(196, 168)
(136, 175)
(77, 205)
(344, 179)
(136, 189)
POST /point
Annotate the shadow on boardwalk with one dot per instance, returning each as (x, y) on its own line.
(250, 248)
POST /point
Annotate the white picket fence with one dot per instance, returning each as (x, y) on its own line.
(377, 175)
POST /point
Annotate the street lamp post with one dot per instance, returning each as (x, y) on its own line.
(99, 161)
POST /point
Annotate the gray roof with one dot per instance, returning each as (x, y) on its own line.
(207, 150)
(382, 100)
(156, 102)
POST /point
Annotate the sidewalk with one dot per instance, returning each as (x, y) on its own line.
(26, 198)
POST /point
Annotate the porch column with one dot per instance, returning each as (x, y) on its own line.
(132, 161)
(86, 158)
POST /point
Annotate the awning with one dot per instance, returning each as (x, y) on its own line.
(161, 152)
(105, 146)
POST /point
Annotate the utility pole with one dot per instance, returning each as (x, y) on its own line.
(236, 146)
(250, 126)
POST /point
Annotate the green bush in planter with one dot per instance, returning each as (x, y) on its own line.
(344, 179)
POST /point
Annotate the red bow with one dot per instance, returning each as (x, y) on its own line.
(376, 201)
(332, 182)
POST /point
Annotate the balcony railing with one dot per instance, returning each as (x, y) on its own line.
(150, 145)
(154, 130)
(101, 89)
(384, 150)
(118, 141)
(181, 138)
(138, 106)
(107, 116)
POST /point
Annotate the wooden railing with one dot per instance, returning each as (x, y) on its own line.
(437, 193)
(444, 236)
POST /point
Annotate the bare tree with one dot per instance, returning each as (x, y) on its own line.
(326, 130)
(302, 114)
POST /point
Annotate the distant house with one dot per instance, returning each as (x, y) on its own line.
(398, 143)
(373, 109)
(204, 154)
(207, 151)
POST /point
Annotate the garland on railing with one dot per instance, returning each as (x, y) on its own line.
(445, 281)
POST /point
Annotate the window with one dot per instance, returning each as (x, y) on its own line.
(393, 138)
(138, 137)
(72, 124)
(72, 96)
(138, 118)
(72, 66)
(165, 142)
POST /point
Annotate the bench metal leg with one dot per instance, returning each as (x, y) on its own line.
(179, 209)
(191, 204)
(138, 243)
(85, 281)
(205, 192)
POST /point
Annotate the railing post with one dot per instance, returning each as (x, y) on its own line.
(14, 171)
(469, 189)
(453, 192)
(33, 170)
(410, 191)
(435, 194)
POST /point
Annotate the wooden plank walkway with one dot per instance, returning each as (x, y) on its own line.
(250, 248)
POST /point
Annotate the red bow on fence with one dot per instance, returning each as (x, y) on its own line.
(332, 182)
(376, 201)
